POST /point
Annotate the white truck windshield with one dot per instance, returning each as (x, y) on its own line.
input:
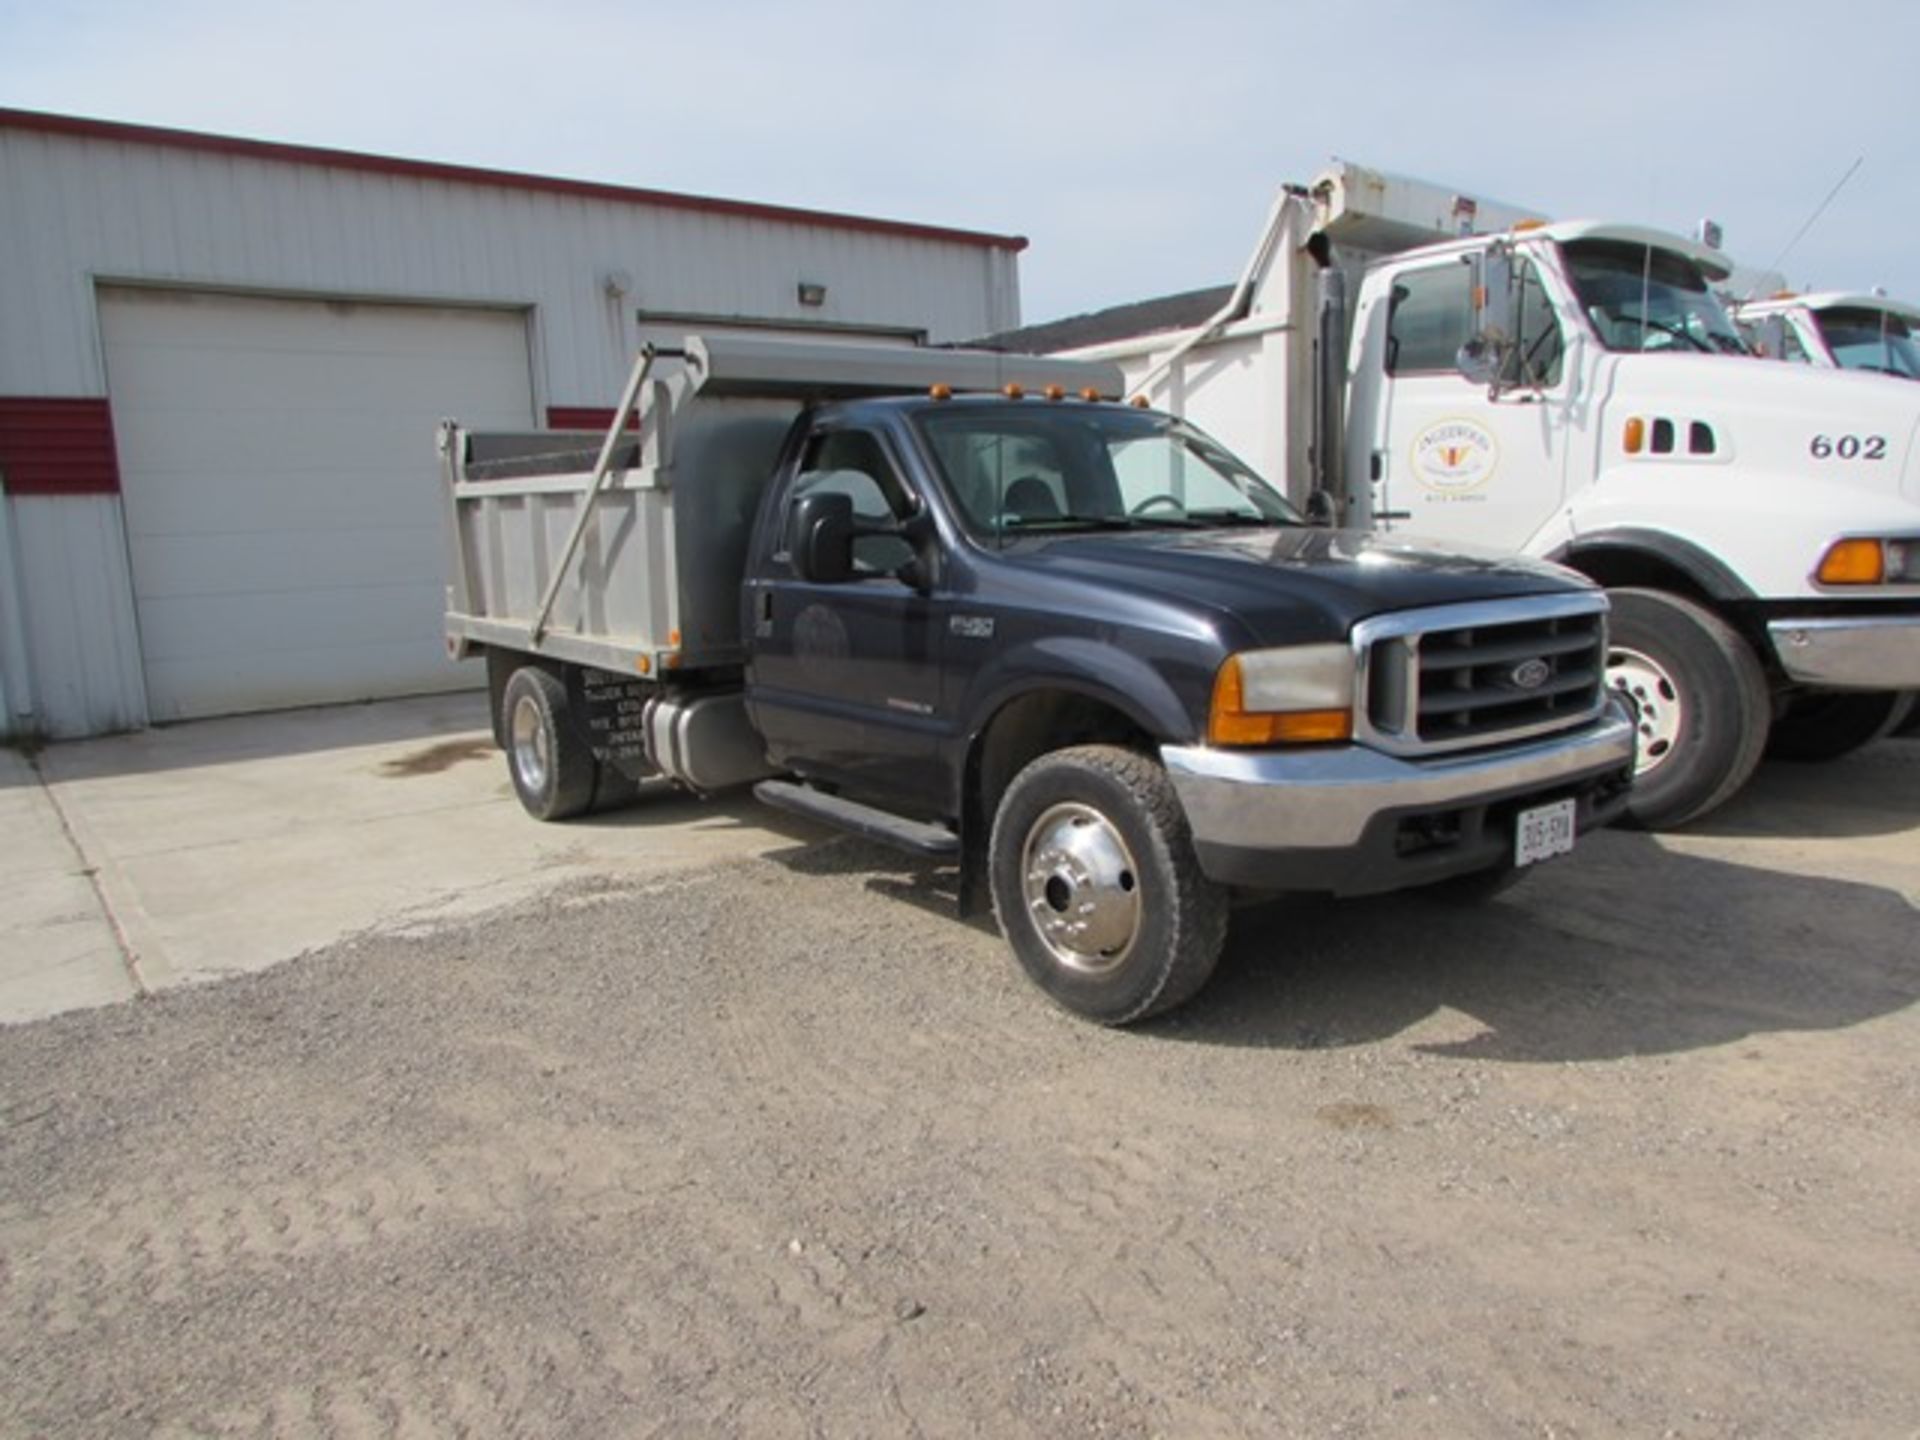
(1640, 298)
(1863, 339)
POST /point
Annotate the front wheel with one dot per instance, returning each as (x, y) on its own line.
(1097, 887)
(1702, 703)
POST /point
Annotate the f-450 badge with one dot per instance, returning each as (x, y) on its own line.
(971, 627)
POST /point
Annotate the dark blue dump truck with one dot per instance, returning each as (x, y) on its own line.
(972, 606)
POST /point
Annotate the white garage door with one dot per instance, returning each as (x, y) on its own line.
(282, 498)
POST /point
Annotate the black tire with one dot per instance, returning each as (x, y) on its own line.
(1910, 725)
(551, 767)
(1704, 705)
(1826, 726)
(1091, 844)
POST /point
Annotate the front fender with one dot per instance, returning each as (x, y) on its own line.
(1100, 671)
(1743, 530)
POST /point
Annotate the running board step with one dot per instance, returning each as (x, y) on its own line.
(851, 815)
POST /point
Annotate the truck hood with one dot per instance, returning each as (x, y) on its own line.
(1772, 418)
(1293, 585)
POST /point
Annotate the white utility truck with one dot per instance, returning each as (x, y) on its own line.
(1576, 392)
(1835, 330)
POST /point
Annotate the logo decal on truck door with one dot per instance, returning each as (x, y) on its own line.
(1453, 458)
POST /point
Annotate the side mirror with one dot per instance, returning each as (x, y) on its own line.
(920, 572)
(1768, 337)
(1494, 291)
(1479, 361)
(1495, 297)
(820, 538)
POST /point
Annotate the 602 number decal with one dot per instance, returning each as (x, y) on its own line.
(1848, 447)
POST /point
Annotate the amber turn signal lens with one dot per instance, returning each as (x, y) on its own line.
(942, 391)
(1231, 723)
(1636, 437)
(1014, 392)
(1853, 562)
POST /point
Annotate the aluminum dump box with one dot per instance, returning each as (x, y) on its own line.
(626, 550)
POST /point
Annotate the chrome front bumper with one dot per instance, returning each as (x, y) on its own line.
(1326, 799)
(1872, 652)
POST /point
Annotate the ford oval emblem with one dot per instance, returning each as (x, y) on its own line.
(1529, 674)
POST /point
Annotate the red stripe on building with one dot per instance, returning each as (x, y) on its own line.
(57, 447)
(86, 129)
(584, 417)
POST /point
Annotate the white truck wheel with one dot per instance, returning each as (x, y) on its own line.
(1702, 700)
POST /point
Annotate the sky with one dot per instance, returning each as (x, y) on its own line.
(1137, 145)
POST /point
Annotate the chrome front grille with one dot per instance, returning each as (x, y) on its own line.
(1460, 676)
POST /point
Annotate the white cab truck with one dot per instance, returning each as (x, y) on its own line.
(1835, 330)
(1575, 392)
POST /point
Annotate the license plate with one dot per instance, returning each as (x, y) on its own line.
(1543, 832)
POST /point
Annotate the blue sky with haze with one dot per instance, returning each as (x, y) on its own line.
(1137, 145)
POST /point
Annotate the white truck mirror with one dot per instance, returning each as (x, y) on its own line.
(1768, 336)
(1495, 297)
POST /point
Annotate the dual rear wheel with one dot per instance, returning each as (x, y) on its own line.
(554, 772)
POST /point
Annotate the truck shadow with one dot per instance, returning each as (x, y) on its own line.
(1874, 791)
(1631, 950)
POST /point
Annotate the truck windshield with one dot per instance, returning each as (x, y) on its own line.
(1051, 467)
(1863, 339)
(1638, 297)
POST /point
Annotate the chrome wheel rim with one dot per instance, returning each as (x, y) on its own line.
(531, 757)
(1081, 887)
(1656, 699)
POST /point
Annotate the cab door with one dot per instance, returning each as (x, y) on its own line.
(1447, 460)
(845, 678)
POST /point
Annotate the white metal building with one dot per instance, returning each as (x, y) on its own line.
(221, 362)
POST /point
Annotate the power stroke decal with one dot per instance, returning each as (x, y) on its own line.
(1453, 458)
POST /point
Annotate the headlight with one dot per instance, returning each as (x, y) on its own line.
(1296, 695)
(1870, 560)
(1903, 562)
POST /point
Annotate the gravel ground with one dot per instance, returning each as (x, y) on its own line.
(782, 1148)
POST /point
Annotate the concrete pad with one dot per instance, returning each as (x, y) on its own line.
(226, 846)
(58, 950)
